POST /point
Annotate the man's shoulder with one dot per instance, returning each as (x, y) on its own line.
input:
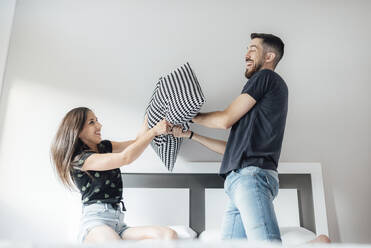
(270, 76)
(267, 73)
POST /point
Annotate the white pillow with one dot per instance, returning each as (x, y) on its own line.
(296, 235)
(210, 235)
(289, 235)
(184, 232)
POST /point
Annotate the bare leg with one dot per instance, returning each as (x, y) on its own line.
(321, 239)
(149, 232)
(101, 234)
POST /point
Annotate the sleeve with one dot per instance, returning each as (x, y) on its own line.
(258, 86)
(105, 146)
(80, 159)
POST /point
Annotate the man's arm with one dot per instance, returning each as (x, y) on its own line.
(215, 145)
(226, 118)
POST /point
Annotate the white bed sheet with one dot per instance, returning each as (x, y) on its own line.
(289, 235)
(176, 244)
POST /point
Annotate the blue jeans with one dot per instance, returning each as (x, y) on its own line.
(250, 212)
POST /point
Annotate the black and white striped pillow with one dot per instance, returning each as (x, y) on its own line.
(178, 98)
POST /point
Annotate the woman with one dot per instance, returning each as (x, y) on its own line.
(84, 161)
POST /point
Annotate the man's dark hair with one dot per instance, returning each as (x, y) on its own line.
(273, 42)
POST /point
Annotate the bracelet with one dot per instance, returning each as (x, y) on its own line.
(190, 137)
(191, 121)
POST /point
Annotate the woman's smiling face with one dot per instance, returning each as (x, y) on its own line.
(90, 133)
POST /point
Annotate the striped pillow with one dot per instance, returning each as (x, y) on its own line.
(178, 98)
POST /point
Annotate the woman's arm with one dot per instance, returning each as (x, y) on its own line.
(215, 145)
(108, 161)
(121, 146)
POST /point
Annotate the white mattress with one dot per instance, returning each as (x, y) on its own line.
(173, 244)
(289, 235)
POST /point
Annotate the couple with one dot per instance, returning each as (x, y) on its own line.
(257, 117)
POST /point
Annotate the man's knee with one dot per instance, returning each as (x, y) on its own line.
(324, 239)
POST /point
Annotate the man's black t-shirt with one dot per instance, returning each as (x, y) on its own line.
(96, 186)
(256, 139)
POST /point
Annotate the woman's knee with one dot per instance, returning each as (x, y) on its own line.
(171, 234)
(166, 233)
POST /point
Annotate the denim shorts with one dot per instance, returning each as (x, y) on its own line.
(98, 214)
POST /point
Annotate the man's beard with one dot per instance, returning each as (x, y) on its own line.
(251, 72)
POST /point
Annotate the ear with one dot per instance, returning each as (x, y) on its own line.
(269, 57)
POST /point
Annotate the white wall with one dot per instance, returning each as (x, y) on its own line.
(6, 19)
(108, 54)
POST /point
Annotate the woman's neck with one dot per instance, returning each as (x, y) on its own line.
(92, 146)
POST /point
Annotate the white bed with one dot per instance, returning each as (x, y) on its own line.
(191, 201)
(198, 200)
(176, 244)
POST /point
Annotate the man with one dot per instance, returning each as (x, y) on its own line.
(257, 117)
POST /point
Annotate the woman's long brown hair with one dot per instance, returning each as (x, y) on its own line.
(66, 142)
